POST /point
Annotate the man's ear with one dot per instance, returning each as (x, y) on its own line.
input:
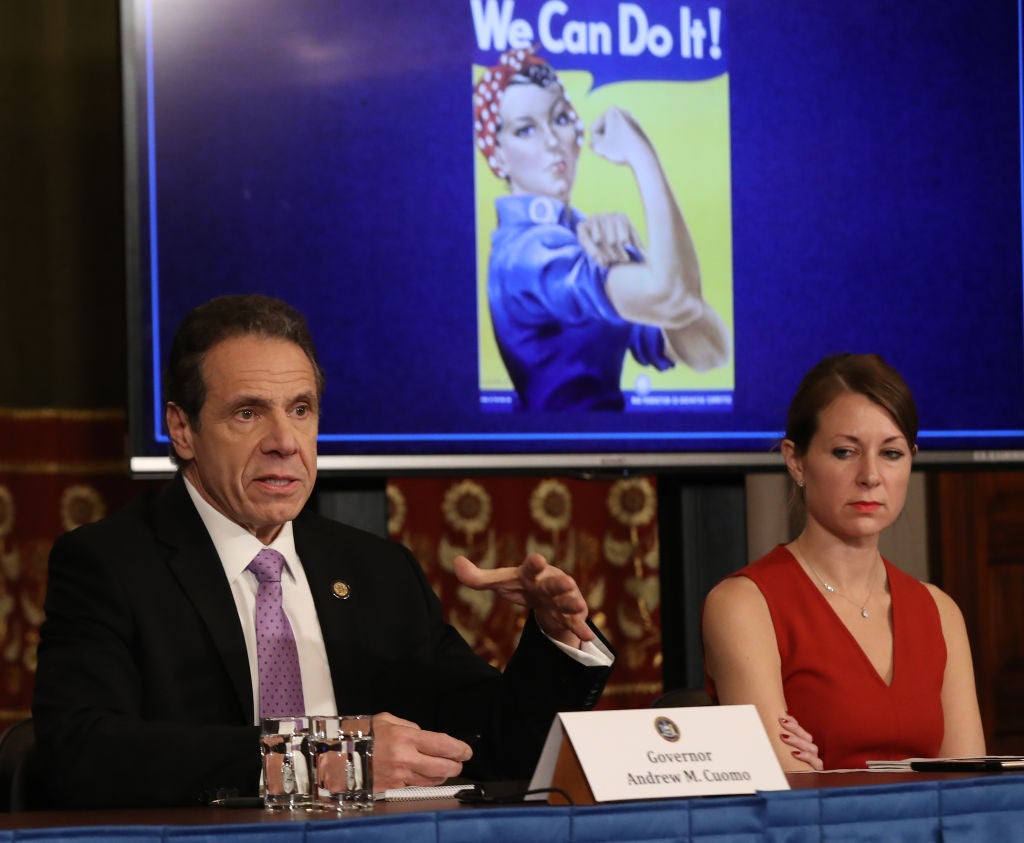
(180, 431)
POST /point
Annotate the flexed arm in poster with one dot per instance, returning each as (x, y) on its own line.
(664, 289)
(569, 296)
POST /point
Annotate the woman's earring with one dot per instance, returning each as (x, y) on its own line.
(800, 483)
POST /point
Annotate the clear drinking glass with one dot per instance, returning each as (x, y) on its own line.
(343, 761)
(288, 768)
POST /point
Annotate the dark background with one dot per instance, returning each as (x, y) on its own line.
(62, 321)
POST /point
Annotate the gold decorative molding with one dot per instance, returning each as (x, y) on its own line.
(55, 468)
(623, 688)
(50, 413)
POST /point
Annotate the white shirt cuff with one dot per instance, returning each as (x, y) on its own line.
(591, 654)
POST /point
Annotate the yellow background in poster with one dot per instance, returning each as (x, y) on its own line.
(688, 124)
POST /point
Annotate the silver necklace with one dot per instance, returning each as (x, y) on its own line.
(831, 589)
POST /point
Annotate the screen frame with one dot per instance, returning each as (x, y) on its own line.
(141, 329)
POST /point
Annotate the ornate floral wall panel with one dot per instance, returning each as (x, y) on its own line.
(604, 533)
(58, 469)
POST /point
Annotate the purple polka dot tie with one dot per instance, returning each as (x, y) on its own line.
(276, 654)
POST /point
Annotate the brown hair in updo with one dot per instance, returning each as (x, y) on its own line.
(861, 374)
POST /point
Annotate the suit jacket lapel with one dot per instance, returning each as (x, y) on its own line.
(194, 561)
(342, 620)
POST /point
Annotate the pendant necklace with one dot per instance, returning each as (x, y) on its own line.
(831, 589)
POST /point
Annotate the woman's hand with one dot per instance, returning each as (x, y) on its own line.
(804, 747)
(604, 237)
(617, 136)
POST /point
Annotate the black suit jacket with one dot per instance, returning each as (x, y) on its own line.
(143, 694)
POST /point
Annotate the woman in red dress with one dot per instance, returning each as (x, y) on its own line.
(873, 663)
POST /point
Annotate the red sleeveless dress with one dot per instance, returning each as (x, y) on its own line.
(832, 688)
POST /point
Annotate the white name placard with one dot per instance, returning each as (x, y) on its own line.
(655, 753)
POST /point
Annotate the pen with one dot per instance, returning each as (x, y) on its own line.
(963, 765)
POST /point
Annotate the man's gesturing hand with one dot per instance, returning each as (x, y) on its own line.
(551, 593)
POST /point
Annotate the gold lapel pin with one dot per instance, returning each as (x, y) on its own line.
(341, 589)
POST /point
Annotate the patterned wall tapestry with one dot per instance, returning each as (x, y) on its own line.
(604, 533)
(60, 469)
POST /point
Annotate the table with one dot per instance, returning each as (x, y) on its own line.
(911, 807)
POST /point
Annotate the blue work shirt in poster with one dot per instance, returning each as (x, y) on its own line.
(561, 339)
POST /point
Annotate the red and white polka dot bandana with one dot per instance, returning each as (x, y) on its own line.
(490, 89)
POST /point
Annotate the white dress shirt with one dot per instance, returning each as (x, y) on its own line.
(236, 548)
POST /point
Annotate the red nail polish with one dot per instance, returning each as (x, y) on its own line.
(796, 753)
(785, 737)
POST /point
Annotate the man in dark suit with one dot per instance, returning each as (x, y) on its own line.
(146, 691)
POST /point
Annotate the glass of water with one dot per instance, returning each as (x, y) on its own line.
(343, 759)
(288, 772)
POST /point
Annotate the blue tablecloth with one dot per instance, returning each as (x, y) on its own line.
(977, 809)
